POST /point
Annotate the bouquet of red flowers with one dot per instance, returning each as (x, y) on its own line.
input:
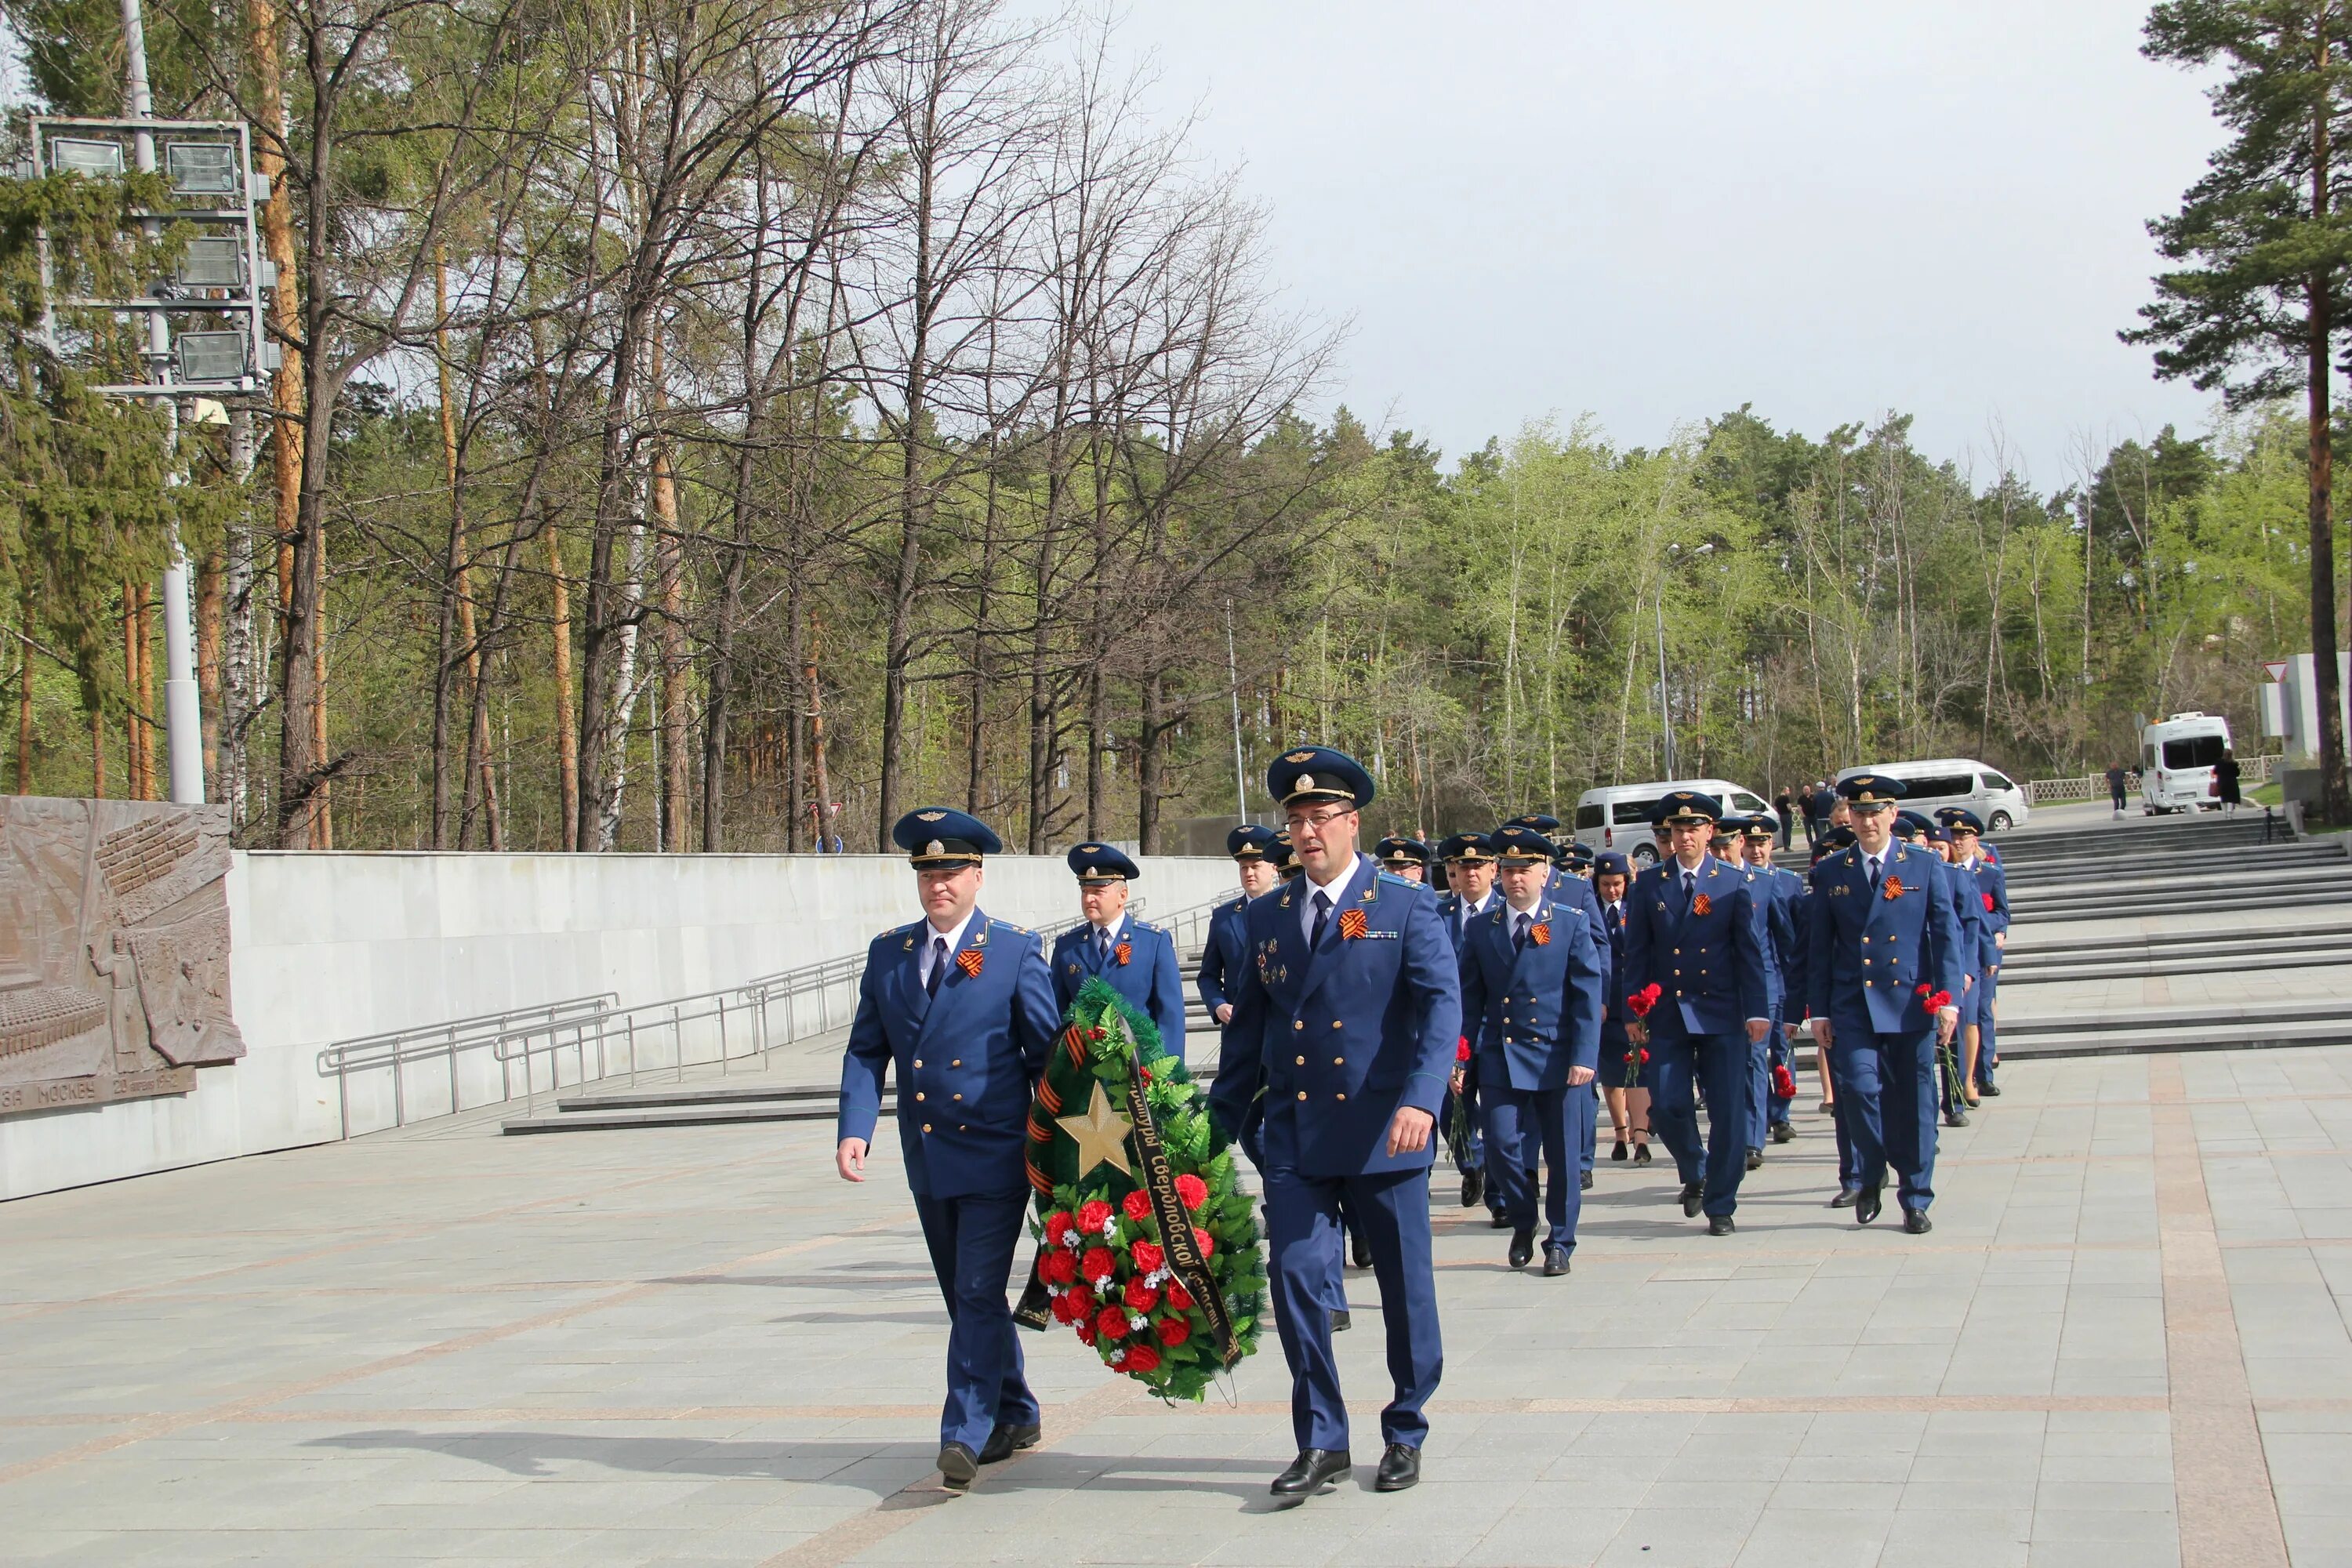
(1639, 1003)
(1636, 1057)
(1147, 1245)
(1935, 1002)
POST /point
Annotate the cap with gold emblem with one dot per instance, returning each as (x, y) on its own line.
(1097, 862)
(1398, 849)
(941, 836)
(1685, 808)
(1249, 842)
(1759, 828)
(1868, 789)
(1472, 847)
(1517, 845)
(1318, 772)
(1281, 857)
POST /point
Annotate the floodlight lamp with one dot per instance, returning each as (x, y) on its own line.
(210, 356)
(92, 160)
(215, 262)
(201, 168)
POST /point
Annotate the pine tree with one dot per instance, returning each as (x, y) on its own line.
(2268, 254)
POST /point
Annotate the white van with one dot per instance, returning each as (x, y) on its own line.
(2176, 763)
(1930, 787)
(1618, 817)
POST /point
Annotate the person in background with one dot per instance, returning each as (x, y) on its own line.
(1400, 856)
(2116, 778)
(1784, 807)
(1628, 1083)
(2225, 781)
(1135, 959)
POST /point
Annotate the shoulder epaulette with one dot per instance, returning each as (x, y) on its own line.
(1008, 925)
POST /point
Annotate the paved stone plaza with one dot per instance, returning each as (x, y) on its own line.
(700, 1346)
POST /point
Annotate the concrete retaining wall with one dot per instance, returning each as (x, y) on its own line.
(326, 947)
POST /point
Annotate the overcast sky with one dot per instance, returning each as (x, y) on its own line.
(1655, 213)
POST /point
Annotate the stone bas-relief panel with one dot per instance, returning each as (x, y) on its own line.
(113, 951)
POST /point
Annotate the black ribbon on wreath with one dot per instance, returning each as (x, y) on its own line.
(1182, 1249)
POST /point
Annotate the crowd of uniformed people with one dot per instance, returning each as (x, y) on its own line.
(1500, 994)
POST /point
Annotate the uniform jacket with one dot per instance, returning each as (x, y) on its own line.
(1534, 1012)
(1449, 905)
(1149, 979)
(1991, 892)
(1868, 953)
(968, 1060)
(1574, 892)
(1222, 956)
(1969, 913)
(1709, 968)
(1612, 992)
(1777, 893)
(1344, 1034)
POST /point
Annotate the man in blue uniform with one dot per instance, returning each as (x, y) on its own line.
(1989, 884)
(1469, 861)
(1759, 836)
(962, 1007)
(1404, 857)
(1884, 945)
(1828, 842)
(1355, 1001)
(1225, 953)
(1532, 973)
(1138, 960)
(1691, 930)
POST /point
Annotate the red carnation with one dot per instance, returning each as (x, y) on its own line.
(1989, 906)
(1085, 1329)
(1094, 1033)
(1639, 1003)
(1111, 1322)
(1201, 1238)
(1082, 1302)
(1092, 1213)
(1921, 988)
(1148, 1257)
(1068, 1309)
(1193, 1191)
(1059, 1268)
(1178, 1297)
(1141, 1297)
(1174, 1330)
(1057, 1227)
(1097, 1264)
(1646, 1055)
(1939, 1001)
(1137, 1206)
(1141, 1358)
(1462, 1048)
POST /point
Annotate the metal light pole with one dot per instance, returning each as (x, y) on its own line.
(182, 716)
(1241, 769)
(1665, 707)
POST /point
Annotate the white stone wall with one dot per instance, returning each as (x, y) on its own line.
(325, 947)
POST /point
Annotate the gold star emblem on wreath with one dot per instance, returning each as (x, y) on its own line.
(1101, 1135)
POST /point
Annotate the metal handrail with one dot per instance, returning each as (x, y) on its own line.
(395, 1049)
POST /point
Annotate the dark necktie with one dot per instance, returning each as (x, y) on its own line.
(939, 966)
(1102, 946)
(1690, 883)
(1520, 940)
(1873, 870)
(1322, 914)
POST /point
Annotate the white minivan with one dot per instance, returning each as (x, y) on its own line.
(2176, 763)
(1930, 787)
(1618, 816)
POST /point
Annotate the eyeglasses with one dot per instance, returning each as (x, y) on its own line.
(1319, 819)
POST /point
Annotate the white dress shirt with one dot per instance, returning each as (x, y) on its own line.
(1333, 890)
(931, 933)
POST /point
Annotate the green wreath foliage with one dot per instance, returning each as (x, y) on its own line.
(1100, 1255)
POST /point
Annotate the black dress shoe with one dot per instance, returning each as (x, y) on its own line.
(1782, 1132)
(1642, 1154)
(1584, 1180)
(1555, 1262)
(1473, 1185)
(1005, 1440)
(1523, 1246)
(1989, 1088)
(1956, 1118)
(1694, 1194)
(1916, 1223)
(1720, 1225)
(1756, 1159)
(1618, 1150)
(1866, 1206)
(1340, 1321)
(1497, 1220)
(958, 1465)
(1845, 1197)
(1400, 1468)
(1360, 1250)
(1314, 1469)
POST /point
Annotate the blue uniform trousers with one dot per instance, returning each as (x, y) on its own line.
(1849, 1162)
(972, 1241)
(1591, 1095)
(1891, 1115)
(1302, 1216)
(1522, 1117)
(1716, 1065)
(1759, 1089)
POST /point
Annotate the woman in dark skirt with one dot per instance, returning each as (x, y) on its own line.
(1625, 1067)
